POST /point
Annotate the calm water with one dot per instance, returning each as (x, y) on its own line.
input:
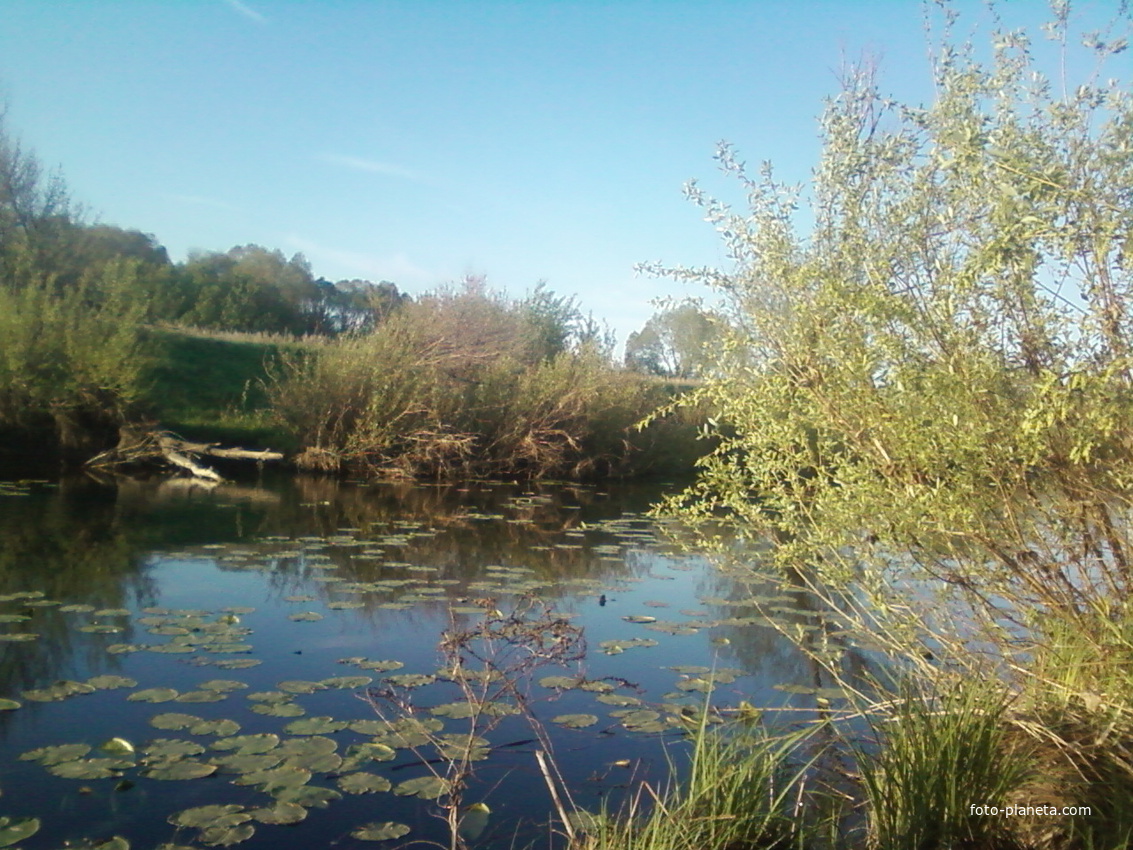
(279, 607)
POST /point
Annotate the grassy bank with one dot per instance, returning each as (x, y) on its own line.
(212, 386)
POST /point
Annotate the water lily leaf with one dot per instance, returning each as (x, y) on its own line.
(700, 685)
(59, 691)
(270, 696)
(180, 769)
(120, 648)
(279, 709)
(222, 685)
(562, 682)
(172, 648)
(276, 777)
(89, 768)
(229, 649)
(411, 680)
(369, 727)
(201, 696)
(618, 699)
(575, 721)
(381, 666)
(77, 608)
(153, 695)
(299, 686)
(347, 682)
(56, 753)
(425, 787)
(639, 618)
(248, 744)
(113, 612)
(311, 796)
(315, 726)
(174, 720)
(314, 744)
(108, 683)
(359, 754)
(19, 637)
(387, 831)
(215, 727)
(226, 836)
(9, 704)
(315, 762)
(280, 813)
(166, 748)
(305, 616)
(12, 831)
(241, 763)
(205, 816)
(116, 842)
(238, 663)
(363, 783)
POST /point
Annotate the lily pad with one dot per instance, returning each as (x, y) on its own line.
(387, 831)
(241, 763)
(56, 753)
(222, 685)
(166, 748)
(280, 813)
(279, 709)
(315, 726)
(201, 696)
(411, 680)
(181, 769)
(205, 816)
(12, 831)
(215, 727)
(575, 721)
(226, 836)
(363, 783)
(9, 704)
(174, 720)
(107, 683)
(300, 686)
(381, 666)
(425, 787)
(305, 617)
(276, 777)
(347, 682)
(90, 768)
(153, 695)
(311, 796)
(248, 744)
(563, 682)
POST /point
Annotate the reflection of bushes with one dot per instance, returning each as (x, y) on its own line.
(467, 383)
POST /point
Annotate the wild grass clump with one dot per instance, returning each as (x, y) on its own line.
(935, 756)
(744, 790)
(466, 382)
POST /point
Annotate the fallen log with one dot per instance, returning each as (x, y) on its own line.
(155, 448)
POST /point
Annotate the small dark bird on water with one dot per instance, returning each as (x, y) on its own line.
(602, 600)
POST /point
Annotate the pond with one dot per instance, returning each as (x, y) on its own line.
(270, 650)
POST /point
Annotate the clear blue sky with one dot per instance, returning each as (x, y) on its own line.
(419, 141)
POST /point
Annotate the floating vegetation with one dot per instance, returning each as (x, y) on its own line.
(309, 746)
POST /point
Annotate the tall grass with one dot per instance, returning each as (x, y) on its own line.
(464, 383)
(934, 757)
(744, 791)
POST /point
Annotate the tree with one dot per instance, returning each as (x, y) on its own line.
(677, 342)
(934, 387)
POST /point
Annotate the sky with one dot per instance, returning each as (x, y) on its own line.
(421, 141)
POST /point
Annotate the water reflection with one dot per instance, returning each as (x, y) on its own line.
(309, 579)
